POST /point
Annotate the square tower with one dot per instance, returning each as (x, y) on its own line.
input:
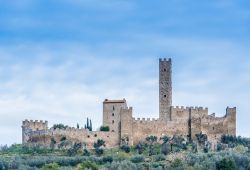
(165, 88)
(112, 114)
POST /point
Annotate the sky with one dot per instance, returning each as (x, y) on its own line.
(59, 60)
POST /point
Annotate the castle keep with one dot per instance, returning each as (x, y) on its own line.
(123, 127)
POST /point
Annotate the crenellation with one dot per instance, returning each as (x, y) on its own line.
(172, 120)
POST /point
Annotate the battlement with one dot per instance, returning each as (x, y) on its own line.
(28, 123)
(165, 59)
(198, 108)
(145, 120)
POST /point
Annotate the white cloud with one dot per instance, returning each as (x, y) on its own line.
(68, 82)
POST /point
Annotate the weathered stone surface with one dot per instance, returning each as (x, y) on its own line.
(179, 120)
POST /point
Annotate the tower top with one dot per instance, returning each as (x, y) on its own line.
(165, 59)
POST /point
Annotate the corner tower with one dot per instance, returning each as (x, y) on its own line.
(165, 88)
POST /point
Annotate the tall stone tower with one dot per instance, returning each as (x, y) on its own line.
(165, 88)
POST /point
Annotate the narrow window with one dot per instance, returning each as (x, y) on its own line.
(113, 121)
(213, 128)
(113, 114)
(164, 69)
(165, 95)
(113, 107)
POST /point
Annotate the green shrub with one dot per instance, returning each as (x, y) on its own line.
(108, 158)
(59, 126)
(86, 152)
(124, 165)
(159, 157)
(3, 165)
(125, 148)
(104, 128)
(226, 164)
(177, 164)
(165, 148)
(137, 159)
(51, 166)
(87, 165)
(98, 146)
(75, 149)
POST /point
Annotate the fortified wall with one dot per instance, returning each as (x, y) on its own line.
(43, 136)
(183, 121)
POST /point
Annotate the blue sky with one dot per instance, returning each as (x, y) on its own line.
(60, 59)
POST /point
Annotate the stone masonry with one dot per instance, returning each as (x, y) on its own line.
(179, 120)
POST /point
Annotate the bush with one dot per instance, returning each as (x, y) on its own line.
(108, 158)
(226, 164)
(177, 164)
(59, 126)
(123, 165)
(104, 128)
(125, 148)
(159, 157)
(139, 147)
(51, 166)
(137, 159)
(86, 152)
(3, 165)
(87, 165)
(75, 149)
(165, 148)
(98, 146)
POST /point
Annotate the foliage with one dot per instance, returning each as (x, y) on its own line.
(226, 164)
(88, 125)
(159, 157)
(165, 139)
(137, 159)
(151, 140)
(98, 146)
(177, 164)
(125, 148)
(87, 165)
(140, 148)
(108, 158)
(51, 166)
(59, 126)
(165, 148)
(104, 128)
(234, 140)
(201, 138)
(86, 152)
(123, 165)
(74, 149)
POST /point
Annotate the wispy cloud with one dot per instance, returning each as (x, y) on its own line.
(60, 60)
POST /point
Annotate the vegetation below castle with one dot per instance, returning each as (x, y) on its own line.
(172, 153)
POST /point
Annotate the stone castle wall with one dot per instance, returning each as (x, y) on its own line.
(183, 121)
(138, 129)
(43, 137)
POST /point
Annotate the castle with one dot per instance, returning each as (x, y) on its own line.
(123, 127)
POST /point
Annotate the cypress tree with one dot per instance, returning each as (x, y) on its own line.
(90, 126)
(87, 123)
